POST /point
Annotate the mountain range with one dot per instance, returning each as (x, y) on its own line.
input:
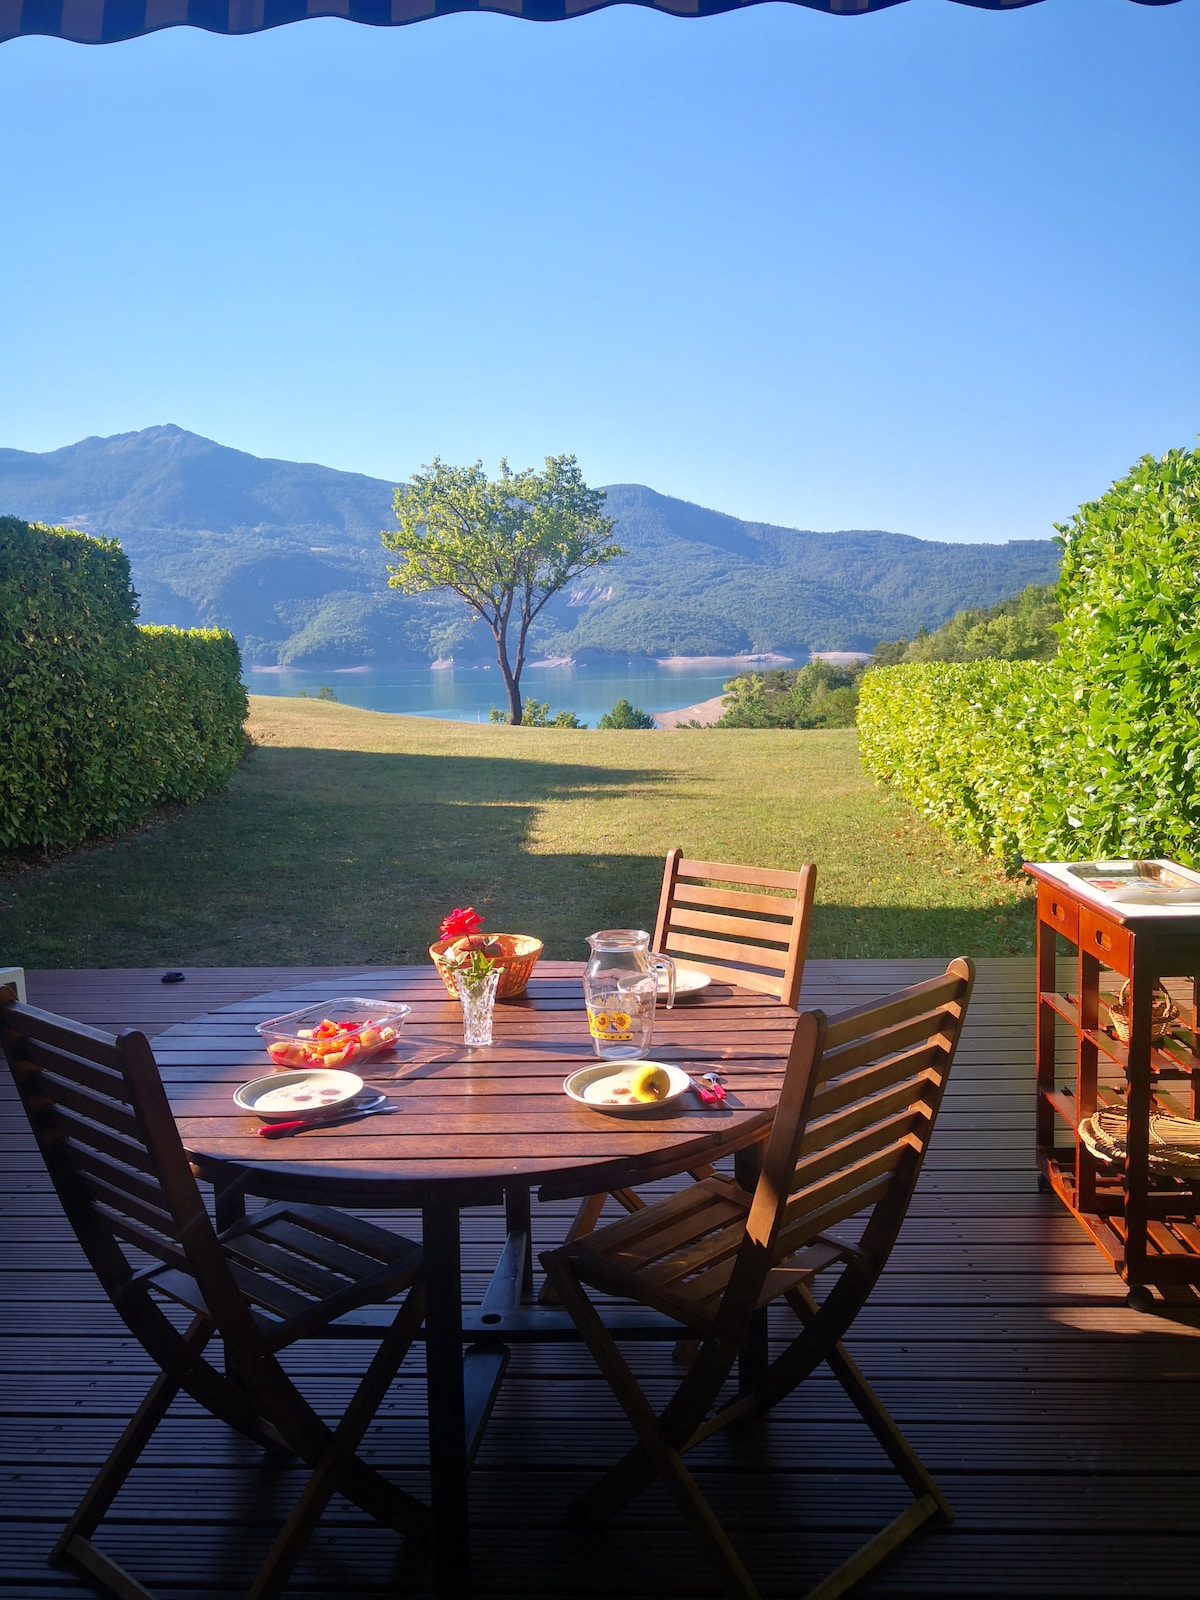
(288, 556)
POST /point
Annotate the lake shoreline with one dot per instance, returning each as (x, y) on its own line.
(673, 691)
(667, 663)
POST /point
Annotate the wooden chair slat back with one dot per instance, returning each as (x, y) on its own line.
(127, 1151)
(761, 982)
(728, 872)
(931, 994)
(733, 955)
(889, 1089)
(103, 1077)
(101, 1109)
(874, 1076)
(859, 1100)
(735, 920)
(738, 928)
(118, 1182)
(687, 893)
(100, 1115)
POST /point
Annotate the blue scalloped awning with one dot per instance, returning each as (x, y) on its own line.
(105, 21)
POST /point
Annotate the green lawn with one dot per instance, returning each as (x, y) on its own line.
(347, 834)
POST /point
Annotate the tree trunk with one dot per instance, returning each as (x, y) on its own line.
(512, 682)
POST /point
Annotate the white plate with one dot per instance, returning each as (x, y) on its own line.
(293, 1094)
(688, 981)
(593, 1087)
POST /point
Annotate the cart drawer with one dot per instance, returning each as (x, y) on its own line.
(1106, 940)
(1059, 912)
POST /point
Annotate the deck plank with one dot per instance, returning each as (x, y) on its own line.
(1061, 1424)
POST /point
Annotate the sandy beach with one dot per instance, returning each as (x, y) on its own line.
(706, 713)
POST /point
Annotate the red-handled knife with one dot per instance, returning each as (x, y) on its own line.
(281, 1130)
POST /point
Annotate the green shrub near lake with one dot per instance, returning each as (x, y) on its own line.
(625, 715)
(103, 719)
(1096, 753)
(818, 695)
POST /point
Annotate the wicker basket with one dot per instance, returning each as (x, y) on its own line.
(1174, 1142)
(520, 952)
(1164, 1013)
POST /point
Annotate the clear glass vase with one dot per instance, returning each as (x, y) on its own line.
(478, 996)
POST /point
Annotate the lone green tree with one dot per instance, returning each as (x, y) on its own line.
(505, 545)
(625, 715)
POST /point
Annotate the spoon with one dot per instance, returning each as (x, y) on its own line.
(707, 1087)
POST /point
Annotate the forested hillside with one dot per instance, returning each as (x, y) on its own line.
(1024, 628)
(287, 555)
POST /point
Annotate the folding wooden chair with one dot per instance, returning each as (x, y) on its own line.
(100, 1115)
(756, 937)
(860, 1095)
(754, 934)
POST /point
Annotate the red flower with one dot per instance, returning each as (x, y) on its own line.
(460, 922)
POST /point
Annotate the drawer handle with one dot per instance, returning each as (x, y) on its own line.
(1057, 911)
(1104, 940)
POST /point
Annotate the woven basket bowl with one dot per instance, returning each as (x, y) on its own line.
(520, 956)
(1163, 1014)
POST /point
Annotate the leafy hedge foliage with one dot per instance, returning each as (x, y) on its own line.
(972, 745)
(193, 708)
(104, 719)
(1096, 753)
(1130, 593)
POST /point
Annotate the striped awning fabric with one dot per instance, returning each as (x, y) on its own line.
(105, 21)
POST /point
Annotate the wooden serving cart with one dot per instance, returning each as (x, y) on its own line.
(1145, 1221)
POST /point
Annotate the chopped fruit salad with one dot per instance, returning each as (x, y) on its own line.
(333, 1044)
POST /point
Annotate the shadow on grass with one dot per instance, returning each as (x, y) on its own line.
(321, 856)
(317, 856)
(457, 830)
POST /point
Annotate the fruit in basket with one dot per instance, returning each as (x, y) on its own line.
(650, 1083)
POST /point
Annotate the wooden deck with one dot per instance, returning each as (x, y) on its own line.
(1062, 1426)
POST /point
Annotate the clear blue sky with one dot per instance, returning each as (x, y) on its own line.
(933, 270)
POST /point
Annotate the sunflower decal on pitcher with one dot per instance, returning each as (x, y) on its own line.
(610, 1026)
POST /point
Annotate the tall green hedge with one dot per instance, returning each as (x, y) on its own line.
(102, 719)
(193, 709)
(972, 745)
(1096, 753)
(1130, 592)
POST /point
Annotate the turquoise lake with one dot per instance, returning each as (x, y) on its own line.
(467, 694)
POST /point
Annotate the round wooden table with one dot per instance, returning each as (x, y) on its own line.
(474, 1128)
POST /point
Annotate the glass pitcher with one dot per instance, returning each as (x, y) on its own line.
(620, 985)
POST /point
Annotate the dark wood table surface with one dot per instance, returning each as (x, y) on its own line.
(474, 1128)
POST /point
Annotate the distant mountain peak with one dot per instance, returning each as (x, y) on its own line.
(287, 555)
